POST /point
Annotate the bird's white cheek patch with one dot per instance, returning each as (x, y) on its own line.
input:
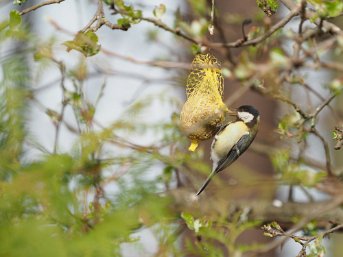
(246, 117)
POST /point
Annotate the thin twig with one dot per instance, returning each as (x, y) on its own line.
(37, 6)
(165, 27)
(223, 38)
(328, 26)
(211, 26)
(100, 19)
(321, 107)
(159, 64)
(326, 150)
(255, 41)
(64, 104)
(302, 16)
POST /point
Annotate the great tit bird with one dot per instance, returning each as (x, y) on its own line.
(232, 140)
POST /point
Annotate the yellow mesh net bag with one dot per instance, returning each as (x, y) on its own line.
(204, 109)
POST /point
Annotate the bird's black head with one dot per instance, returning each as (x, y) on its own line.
(248, 114)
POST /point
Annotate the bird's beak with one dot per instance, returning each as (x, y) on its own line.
(232, 112)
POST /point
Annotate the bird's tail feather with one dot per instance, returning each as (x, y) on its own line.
(205, 183)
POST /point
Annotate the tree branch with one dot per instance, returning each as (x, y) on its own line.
(99, 18)
(255, 41)
(177, 32)
(37, 6)
(327, 26)
(326, 150)
(326, 212)
(238, 43)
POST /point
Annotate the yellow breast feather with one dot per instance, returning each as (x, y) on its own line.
(229, 137)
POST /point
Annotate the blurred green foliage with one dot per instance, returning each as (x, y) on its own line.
(268, 6)
(12, 27)
(84, 42)
(327, 8)
(19, 2)
(294, 172)
(43, 208)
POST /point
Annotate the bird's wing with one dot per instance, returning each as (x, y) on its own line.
(242, 144)
(218, 132)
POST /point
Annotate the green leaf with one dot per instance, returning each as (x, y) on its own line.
(295, 173)
(18, 2)
(327, 8)
(12, 28)
(29, 234)
(243, 71)
(279, 58)
(268, 234)
(15, 19)
(199, 7)
(276, 225)
(196, 49)
(334, 8)
(159, 11)
(336, 86)
(3, 25)
(167, 174)
(273, 4)
(194, 224)
(189, 219)
(84, 42)
(125, 23)
(269, 7)
(127, 11)
(108, 2)
(43, 51)
(137, 15)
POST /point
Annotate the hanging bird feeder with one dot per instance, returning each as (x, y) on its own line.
(204, 109)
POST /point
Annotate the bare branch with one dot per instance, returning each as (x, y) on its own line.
(37, 6)
(327, 26)
(177, 32)
(99, 18)
(241, 42)
(326, 150)
(321, 107)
